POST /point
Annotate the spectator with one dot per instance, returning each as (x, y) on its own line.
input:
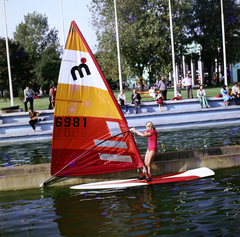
(237, 99)
(225, 95)
(163, 87)
(33, 118)
(136, 100)
(187, 81)
(160, 101)
(201, 96)
(152, 93)
(235, 90)
(50, 97)
(178, 97)
(28, 97)
(122, 100)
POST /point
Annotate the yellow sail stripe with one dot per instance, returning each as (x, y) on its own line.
(75, 100)
(74, 42)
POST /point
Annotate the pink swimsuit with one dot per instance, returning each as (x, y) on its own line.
(152, 140)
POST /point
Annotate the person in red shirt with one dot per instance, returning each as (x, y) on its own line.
(152, 136)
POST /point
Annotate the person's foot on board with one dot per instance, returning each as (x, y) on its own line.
(148, 179)
(142, 177)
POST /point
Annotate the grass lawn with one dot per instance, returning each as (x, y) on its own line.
(42, 104)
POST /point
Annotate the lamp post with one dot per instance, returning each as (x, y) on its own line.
(8, 57)
(224, 45)
(118, 47)
(173, 54)
(62, 23)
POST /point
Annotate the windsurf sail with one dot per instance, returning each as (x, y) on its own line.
(88, 122)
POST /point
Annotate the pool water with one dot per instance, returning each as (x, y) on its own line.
(40, 152)
(204, 207)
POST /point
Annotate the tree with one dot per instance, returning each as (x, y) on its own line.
(204, 27)
(40, 42)
(143, 31)
(20, 68)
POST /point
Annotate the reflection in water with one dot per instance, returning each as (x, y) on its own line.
(205, 207)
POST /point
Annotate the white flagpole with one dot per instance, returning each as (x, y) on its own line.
(118, 47)
(224, 46)
(173, 54)
(62, 24)
(8, 57)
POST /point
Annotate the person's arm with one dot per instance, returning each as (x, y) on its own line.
(204, 93)
(25, 96)
(144, 134)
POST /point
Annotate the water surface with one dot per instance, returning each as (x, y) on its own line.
(205, 207)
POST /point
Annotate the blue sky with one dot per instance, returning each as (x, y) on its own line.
(72, 10)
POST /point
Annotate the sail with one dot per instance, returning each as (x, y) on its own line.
(90, 133)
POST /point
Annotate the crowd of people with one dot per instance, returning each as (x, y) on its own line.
(158, 92)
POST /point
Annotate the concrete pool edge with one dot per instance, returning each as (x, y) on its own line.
(31, 176)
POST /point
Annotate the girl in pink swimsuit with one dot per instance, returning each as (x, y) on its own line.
(152, 135)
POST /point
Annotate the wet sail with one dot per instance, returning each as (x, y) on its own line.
(88, 123)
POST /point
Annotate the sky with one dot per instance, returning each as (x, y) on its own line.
(72, 10)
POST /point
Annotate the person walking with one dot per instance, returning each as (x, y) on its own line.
(28, 97)
(152, 136)
(163, 87)
(187, 81)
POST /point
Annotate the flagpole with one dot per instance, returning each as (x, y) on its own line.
(8, 57)
(173, 54)
(118, 47)
(62, 24)
(224, 44)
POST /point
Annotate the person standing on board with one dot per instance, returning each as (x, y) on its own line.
(187, 81)
(28, 97)
(152, 136)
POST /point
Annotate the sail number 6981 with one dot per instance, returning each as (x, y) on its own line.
(67, 122)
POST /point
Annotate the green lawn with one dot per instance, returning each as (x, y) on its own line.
(42, 104)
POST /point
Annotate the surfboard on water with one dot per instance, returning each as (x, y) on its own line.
(90, 133)
(169, 178)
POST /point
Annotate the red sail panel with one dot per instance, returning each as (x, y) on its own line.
(89, 127)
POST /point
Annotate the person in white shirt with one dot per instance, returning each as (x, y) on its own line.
(201, 96)
(187, 81)
(122, 100)
(235, 90)
(152, 93)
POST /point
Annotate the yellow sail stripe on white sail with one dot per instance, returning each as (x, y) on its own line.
(84, 101)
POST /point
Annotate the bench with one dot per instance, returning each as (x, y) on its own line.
(145, 94)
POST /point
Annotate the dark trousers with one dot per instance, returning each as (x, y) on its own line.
(164, 93)
(189, 89)
(31, 103)
(50, 102)
(136, 103)
(33, 122)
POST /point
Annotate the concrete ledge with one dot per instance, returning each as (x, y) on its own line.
(31, 176)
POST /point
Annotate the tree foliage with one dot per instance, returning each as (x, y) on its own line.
(41, 44)
(144, 32)
(20, 67)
